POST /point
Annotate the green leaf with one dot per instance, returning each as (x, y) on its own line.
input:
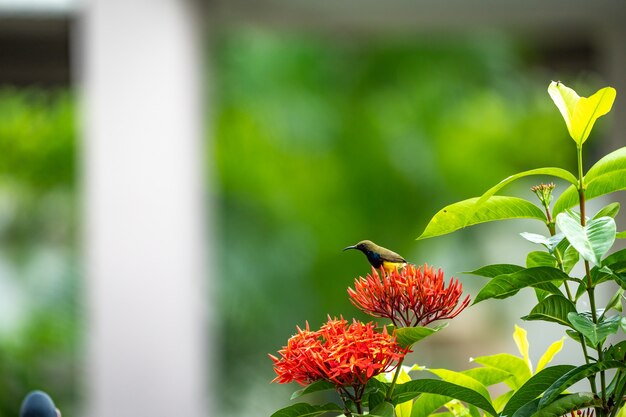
(616, 352)
(616, 258)
(580, 113)
(476, 379)
(568, 403)
(487, 375)
(591, 241)
(316, 386)
(501, 400)
(411, 389)
(407, 336)
(539, 258)
(504, 286)
(551, 171)
(307, 410)
(615, 302)
(464, 213)
(596, 333)
(383, 409)
(463, 380)
(576, 336)
(520, 337)
(570, 259)
(491, 271)
(550, 353)
(621, 235)
(610, 210)
(574, 376)
(549, 242)
(527, 410)
(374, 399)
(534, 387)
(606, 176)
(520, 373)
(554, 308)
(426, 404)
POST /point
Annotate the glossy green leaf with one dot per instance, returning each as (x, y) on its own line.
(528, 409)
(606, 176)
(520, 337)
(504, 286)
(374, 399)
(554, 308)
(550, 242)
(514, 365)
(463, 380)
(538, 258)
(610, 210)
(487, 375)
(580, 113)
(551, 171)
(550, 353)
(593, 240)
(500, 401)
(617, 352)
(566, 404)
(316, 386)
(491, 271)
(570, 259)
(426, 404)
(412, 389)
(614, 260)
(596, 333)
(613, 161)
(383, 409)
(573, 376)
(307, 410)
(464, 213)
(534, 387)
(573, 334)
(615, 303)
(407, 336)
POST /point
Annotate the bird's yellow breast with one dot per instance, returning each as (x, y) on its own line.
(393, 266)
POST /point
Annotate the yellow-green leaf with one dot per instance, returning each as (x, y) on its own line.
(580, 113)
(549, 354)
(521, 340)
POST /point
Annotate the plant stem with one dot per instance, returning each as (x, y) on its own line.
(619, 398)
(559, 259)
(590, 287)
(395, 379)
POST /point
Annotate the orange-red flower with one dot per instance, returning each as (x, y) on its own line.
(412, 296)
(347, 355)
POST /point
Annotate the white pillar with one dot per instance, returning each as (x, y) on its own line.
(144, 217)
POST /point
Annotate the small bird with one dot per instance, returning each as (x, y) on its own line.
(379, 256)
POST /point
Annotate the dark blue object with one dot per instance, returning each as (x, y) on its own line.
(38, 404)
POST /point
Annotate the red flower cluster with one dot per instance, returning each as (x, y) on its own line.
(412, 296)
(347, 355)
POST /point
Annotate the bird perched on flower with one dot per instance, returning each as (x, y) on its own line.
(379, 256)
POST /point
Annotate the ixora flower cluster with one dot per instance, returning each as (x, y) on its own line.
(346, 356)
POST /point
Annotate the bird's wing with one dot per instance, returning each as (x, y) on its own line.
(390, 256)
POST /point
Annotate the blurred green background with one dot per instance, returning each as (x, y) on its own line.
(316, 143)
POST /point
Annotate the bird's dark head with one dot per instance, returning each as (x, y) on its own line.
(364, 246)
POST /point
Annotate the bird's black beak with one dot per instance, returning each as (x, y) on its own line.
(349, 247)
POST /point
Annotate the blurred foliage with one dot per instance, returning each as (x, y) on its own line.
(39, 325)
(318, 143)
(323, 142)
